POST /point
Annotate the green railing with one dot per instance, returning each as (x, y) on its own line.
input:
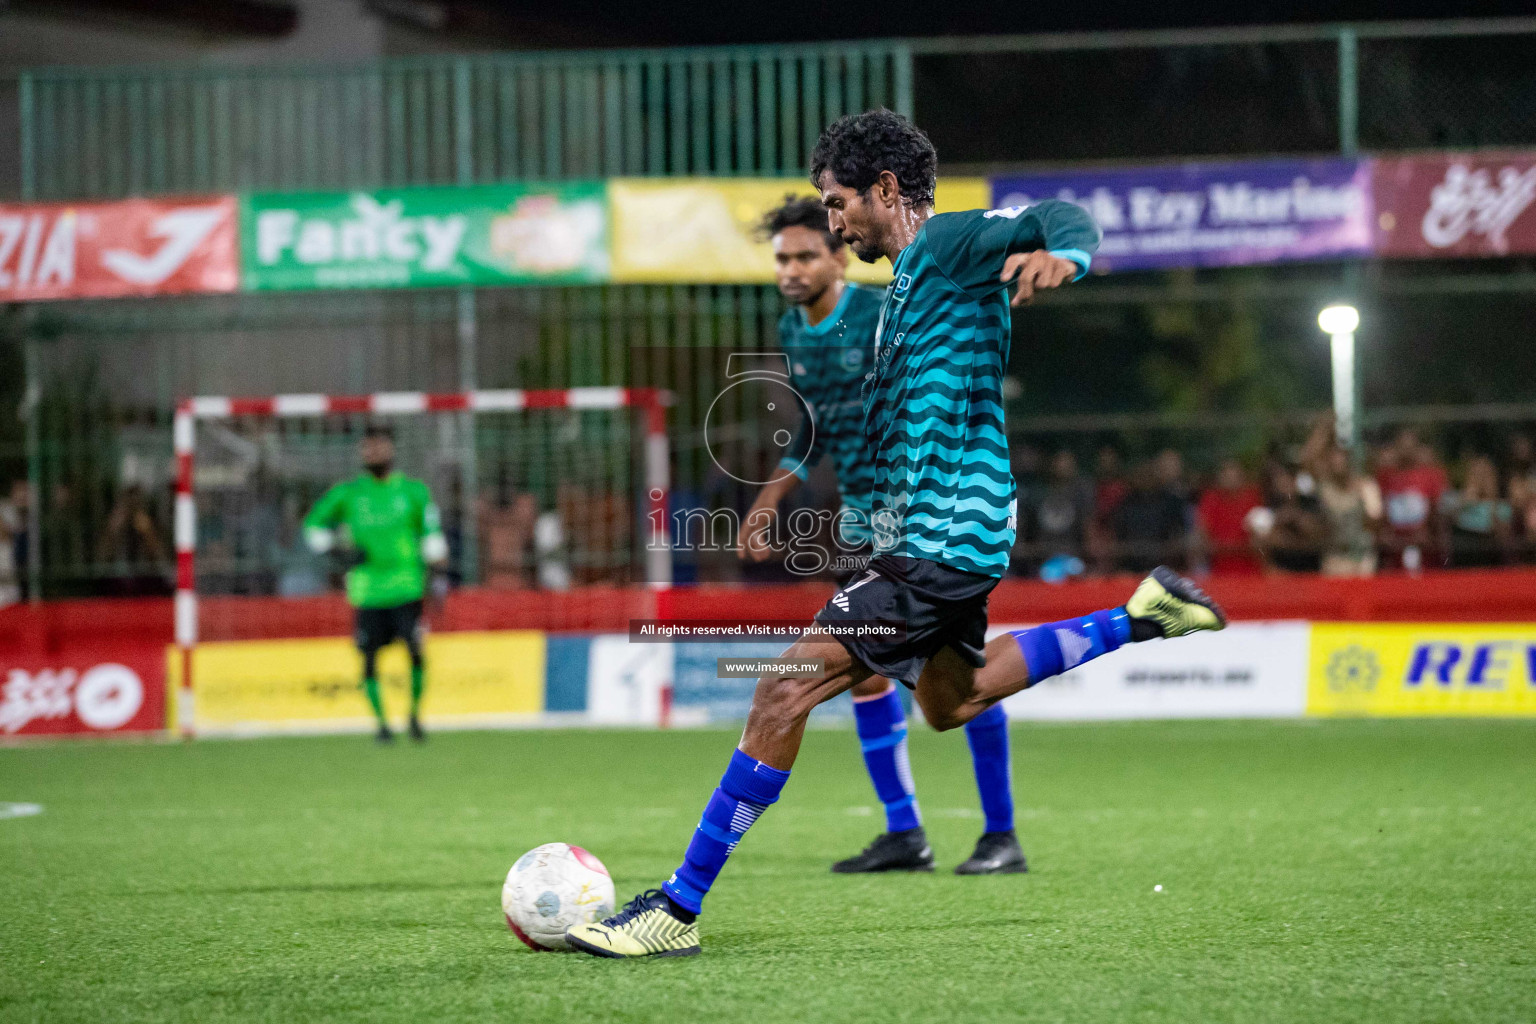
(988, 102)
(454, 120)
(757, 110)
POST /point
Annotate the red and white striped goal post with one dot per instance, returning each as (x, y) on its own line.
(652, 401)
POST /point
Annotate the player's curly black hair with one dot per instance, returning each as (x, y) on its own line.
(799, 212)
(857, 147)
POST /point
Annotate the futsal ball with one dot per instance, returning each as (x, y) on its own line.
(554, 887)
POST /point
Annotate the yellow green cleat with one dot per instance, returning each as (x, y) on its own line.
(646, 926)
(1171, 605)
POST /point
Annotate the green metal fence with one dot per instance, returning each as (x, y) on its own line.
(454, 120)
(104, 375)
(758, 110)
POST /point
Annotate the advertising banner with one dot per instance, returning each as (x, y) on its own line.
(625, 681)
(700, 695)
(705, 230)
(1214, 215)
(312, 685)
(114, 249)
(1248, 670)
(1480, 204)
(82, 689)
(1422, 669)
(425, 237)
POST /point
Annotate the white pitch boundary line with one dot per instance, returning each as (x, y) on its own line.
(20, 810)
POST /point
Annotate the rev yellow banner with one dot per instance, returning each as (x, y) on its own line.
(1422, 669)
(312, 685)
(704, 230)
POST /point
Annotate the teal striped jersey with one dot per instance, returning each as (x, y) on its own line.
(828, 364)
(934, 405)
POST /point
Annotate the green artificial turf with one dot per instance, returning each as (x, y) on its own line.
(1311, 871)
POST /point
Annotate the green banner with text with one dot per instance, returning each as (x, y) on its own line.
(425, 237)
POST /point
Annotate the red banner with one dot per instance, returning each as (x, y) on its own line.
(84, 667)
(85, 689)
(1480, 204)
(130, 247)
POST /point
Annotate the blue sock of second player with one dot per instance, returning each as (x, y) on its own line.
(1051, 649)
(882, 726)
(987, 734)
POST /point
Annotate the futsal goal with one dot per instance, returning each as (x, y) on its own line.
(549, 501)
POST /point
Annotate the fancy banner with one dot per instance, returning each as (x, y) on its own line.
(426, 237)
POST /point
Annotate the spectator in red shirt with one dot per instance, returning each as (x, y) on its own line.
(1221, 516)
(1412, 482)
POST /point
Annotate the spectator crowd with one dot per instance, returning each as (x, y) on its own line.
(1314, 511)
(1311, 510)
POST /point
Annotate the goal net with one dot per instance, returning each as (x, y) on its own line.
(546, 500)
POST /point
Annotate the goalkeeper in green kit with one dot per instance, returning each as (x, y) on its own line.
(385, 526)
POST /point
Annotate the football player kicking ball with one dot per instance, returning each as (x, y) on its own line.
(943, 500)
(829, 338)
(390, 533)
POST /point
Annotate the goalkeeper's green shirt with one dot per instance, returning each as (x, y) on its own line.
(387, 520)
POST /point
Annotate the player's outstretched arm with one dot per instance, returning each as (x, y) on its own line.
(320, 524)
(1035, 247)
(1030, 272)
(1054, 242)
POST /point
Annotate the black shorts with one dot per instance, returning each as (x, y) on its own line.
(377, 628)
(933, 605)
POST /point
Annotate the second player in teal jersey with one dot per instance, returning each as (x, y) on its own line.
(829, 336)
(943, 503)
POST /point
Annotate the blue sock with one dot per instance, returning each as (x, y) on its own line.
(882, 726)
(1051, 649)
(745, 792)
(987, 734)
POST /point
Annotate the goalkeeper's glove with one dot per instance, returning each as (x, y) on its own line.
(434, 549)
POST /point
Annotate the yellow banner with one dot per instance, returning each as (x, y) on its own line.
(1422, 669)
(472, 678)
(704, 230)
